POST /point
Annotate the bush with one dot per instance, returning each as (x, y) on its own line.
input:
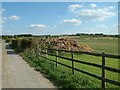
(16, 44)
(25, 44)
(22, 44)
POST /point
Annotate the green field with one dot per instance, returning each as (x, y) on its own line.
(93, 59)
(107, 44)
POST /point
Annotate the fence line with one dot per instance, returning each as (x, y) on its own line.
(88, 53)
(103, 67)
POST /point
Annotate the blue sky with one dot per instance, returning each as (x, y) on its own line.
(41, 18)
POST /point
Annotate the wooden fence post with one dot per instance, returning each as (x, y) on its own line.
(36, 51)
(46, 53)
(39, 51)
(103, 70)
(56, 57)
(72, 56)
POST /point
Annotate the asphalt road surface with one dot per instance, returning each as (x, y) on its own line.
(16, 73)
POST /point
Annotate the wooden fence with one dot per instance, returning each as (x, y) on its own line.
(103, 67)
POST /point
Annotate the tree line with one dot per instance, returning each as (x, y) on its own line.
(78, 34)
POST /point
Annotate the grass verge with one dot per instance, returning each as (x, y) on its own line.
(60, 77)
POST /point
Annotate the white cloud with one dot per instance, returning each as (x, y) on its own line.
(93, 5)
(72, 21)
(101, 28)
(96, 14)
(112, 7)
(14, 17)
(39, 26)
(55, 26)
(73, 7)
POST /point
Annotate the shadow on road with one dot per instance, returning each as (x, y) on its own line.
(8, 47)
(9, 50)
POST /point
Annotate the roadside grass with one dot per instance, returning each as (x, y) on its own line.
(93, 59)
(62, 76)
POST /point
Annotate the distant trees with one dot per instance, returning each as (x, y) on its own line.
(95, 35)
(16, 36)
(23, 35)
(84, 34)
(57, 36)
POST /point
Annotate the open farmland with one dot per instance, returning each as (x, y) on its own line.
(99, 44)
(55, 74)
(107, 44)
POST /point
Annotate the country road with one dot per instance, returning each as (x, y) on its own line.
(16, 73)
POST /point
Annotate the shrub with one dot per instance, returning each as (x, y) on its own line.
(25, 44)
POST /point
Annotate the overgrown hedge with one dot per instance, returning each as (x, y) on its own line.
(22, 44)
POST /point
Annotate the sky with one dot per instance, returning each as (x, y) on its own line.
(55, 18)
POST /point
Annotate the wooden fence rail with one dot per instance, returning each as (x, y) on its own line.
(103, 67)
